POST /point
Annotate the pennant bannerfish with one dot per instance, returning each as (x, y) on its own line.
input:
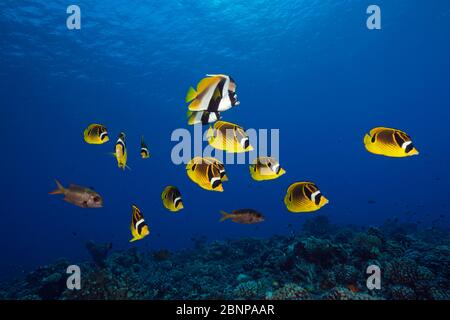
(203, 117)
(216, 92)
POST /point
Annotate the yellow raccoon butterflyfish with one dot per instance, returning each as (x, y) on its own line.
(206, 173)
(304, 197)
(121, 152)
(144, 149)
(216, 92)
(266, 168)
(96, 134)
(171, 199)
(220, 166)
(139, 228)
(389, 142)
(228, 137)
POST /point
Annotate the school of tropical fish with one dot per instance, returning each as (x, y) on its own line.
(215, 94)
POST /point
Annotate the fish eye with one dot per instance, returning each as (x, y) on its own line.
(96, 199)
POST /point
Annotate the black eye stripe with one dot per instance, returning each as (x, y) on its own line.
(398, 139)
(142, 225)
(216, 184)
(246, 143)
(409, 147)
(210, 173)
(318, 197)
(373, 138)
(308, 192)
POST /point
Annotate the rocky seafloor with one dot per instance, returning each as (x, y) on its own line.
(322, 261)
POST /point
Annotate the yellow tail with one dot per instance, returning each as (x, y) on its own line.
(191, 117)
(225, 216)
(191, 94)
(60, 189)
(367, 139)
(210, 133)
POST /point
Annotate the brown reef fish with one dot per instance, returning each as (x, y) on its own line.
(245, 216)
(79, 196)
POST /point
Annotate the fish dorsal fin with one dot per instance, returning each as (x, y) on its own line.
(75, 187)
(205, 83)
(137, 215)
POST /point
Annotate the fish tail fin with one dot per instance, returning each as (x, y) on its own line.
(191, 117)
(225, 216)
(191, 94)
(367, 139)
(210, 133)
(60, 189)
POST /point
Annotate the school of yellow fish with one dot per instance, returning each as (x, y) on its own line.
(213, 95)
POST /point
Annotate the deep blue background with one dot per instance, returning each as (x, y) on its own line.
(310, 68)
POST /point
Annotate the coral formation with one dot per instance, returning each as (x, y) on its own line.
(323, 261)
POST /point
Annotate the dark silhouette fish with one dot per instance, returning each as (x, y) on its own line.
(79, 196)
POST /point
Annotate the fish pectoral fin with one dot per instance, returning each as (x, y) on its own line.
(367, 139)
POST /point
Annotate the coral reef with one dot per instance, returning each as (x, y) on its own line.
(322, 261)
(98, 252)
(290, 291)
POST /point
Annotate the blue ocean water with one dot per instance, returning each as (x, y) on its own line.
(311, 69)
